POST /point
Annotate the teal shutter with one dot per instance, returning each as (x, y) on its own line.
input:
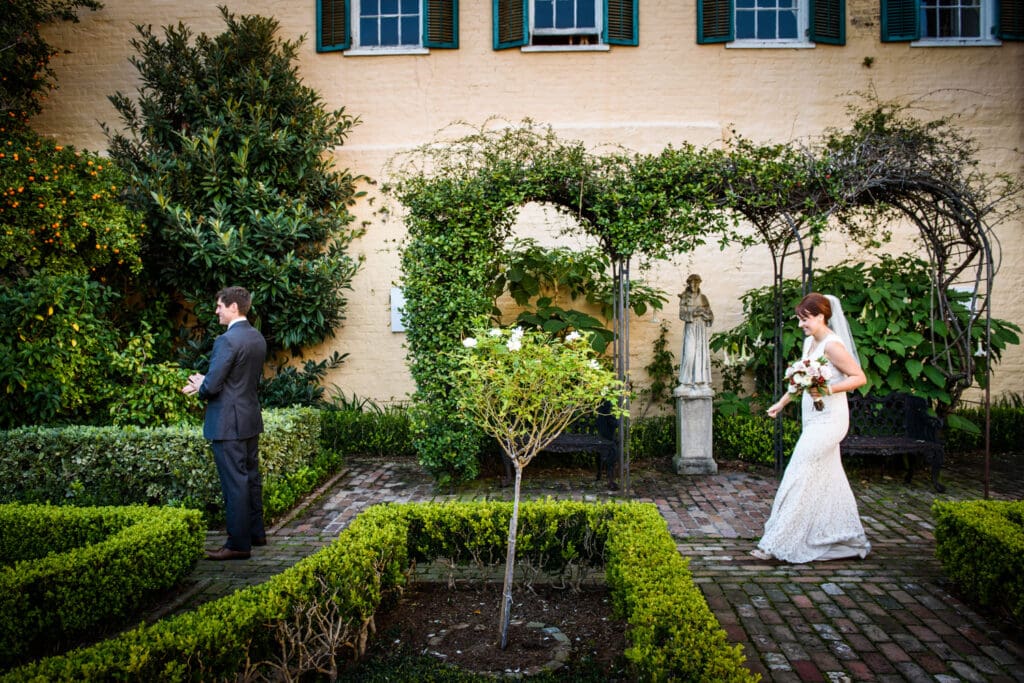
(621, 22)
(828, 22)
(441, 25)
(1011, 20)
(332, 25)
(714, 21)
(899, 20)
(510, 23)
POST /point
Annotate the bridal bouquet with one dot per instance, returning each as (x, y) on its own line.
(805, 374)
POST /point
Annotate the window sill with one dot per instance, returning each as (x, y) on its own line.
(957, 42)
(385, 51)
(565, 48)
(770, 44)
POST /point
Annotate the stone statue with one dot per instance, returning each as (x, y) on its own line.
(695, 312)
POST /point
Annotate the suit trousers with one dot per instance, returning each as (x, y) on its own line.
(242, 486)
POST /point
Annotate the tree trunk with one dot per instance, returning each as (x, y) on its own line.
(505, 615)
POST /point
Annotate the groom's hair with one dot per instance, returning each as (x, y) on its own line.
(814, 304)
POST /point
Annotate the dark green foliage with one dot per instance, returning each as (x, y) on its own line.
(652, 437)
(673, 634)
(981, 546)
(382, 432)
(81, 568)
(291, 386)
(662, 371)
(25, 55)
(228, 155)
(890, 310)
(750, 437)
(1006, 429)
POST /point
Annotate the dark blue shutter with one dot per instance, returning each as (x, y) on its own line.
(714, 21)
(441, 25)
(1011, 20)
(828, 22)
(621, 22)
(510, 23)
(332, 25)
(899, 20)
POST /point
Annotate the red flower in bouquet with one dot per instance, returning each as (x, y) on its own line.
(807, 373)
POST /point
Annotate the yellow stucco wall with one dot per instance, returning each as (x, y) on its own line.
(667, 90)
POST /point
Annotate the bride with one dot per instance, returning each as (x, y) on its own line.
(814, 516)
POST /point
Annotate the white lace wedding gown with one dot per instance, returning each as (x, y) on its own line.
(814, 516)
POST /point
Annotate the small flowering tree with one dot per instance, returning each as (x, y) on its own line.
(524, 388)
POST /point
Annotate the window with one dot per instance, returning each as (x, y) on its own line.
(386, 26)
(952, 22)
(564, 24)
(771, 23)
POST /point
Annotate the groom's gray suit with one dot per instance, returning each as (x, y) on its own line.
(233, 424)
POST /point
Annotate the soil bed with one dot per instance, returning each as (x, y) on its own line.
(459, 626)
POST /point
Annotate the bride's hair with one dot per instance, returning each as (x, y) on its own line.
(814, 304)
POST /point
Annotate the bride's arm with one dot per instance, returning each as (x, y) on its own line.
(776, 408)
(845, 363)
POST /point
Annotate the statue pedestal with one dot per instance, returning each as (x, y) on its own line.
(693, 430)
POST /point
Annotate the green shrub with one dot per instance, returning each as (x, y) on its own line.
(981, 546)
(652, 437)
(1006, 430)
(751, 437)
(382, 431)
(161, 466)
(673, 634)
(232, 168)
(73, 569)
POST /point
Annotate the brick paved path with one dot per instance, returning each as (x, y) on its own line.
(888, 617)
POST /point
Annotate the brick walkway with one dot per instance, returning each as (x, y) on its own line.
(889, 617)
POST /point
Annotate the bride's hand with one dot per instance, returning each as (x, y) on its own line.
(774, 409)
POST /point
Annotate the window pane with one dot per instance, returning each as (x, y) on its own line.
(368, 32)
(970, 22)
(410, 30)
(565, 14)
(389, 31)
(544, 14)
(389, 6)
(745, 25)
(586, 14)
(951, 18)
(766, 25)
(410, 6)
(368, 8)
(787, 25)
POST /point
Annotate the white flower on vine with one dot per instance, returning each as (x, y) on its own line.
(469, 342)
(514, 344)
(981, 352)
(494, 332)
(572, 336)
(759, 342)
(518, 333)
(594, 364)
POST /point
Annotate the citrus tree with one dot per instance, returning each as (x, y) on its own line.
(524, 388)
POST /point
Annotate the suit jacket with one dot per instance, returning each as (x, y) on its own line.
(233, 409)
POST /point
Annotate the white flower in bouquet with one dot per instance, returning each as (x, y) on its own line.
(805, 374)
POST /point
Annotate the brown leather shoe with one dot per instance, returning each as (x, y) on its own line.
(227, 554)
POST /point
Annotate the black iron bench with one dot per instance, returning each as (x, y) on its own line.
(590, 433)
(895, 424)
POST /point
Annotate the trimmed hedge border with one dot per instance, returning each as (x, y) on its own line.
(148, 466)
(673, 634)
(981, 546)
(69, 569)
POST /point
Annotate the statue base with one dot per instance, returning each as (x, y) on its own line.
(693, 430)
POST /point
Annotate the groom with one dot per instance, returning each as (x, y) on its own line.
(234, 422)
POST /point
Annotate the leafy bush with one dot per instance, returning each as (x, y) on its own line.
(62, 213)
(672, 632)
(751, 438)
(1006, 429)
(76, 568)
(380, 431)
(291, 386)
(228, 157)
(25, 56)
(888, 306)
(158, 466)
(981, 546)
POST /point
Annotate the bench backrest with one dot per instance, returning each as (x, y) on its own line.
(896, 414)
